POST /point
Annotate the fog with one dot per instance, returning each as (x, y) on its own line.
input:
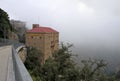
(91, 25)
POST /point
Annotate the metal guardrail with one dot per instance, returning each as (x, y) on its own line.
(11, 72)
(16, 68)
(21, 73)
(10, 42)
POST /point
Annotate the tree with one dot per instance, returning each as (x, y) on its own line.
(60, 67)
(33, 63)
(93, 69)
(117, 75)
(5, 25)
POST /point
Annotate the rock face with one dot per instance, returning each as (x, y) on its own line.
(19, 29)
(18, 34)
(13, 36)
(23, 53)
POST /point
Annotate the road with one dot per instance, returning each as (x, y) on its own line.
(5, 52)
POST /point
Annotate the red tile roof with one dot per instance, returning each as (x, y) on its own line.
(42, 30)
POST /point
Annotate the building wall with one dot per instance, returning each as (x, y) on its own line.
(47, 43)
(35, 40)
(51, 44)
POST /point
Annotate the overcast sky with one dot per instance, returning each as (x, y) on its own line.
(86, 23)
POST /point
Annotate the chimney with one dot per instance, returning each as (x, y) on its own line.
(35, 25)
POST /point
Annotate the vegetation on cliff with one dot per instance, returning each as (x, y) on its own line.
(5, 25)
(61, 67)
(32, 63)
(13, 30)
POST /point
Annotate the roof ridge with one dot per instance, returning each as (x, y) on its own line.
(42, 30)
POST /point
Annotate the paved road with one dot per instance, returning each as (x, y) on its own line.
(5, 52)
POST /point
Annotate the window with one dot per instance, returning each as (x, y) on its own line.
(32, 37)
(40, 37)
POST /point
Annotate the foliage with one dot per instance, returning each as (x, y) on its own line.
(93, 69)
(5, 25)
(117, 76)
(61, 67)
(32, 63)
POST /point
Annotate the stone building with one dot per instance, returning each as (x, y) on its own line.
(44, 39)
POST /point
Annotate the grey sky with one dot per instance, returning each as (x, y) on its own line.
(93, 24)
